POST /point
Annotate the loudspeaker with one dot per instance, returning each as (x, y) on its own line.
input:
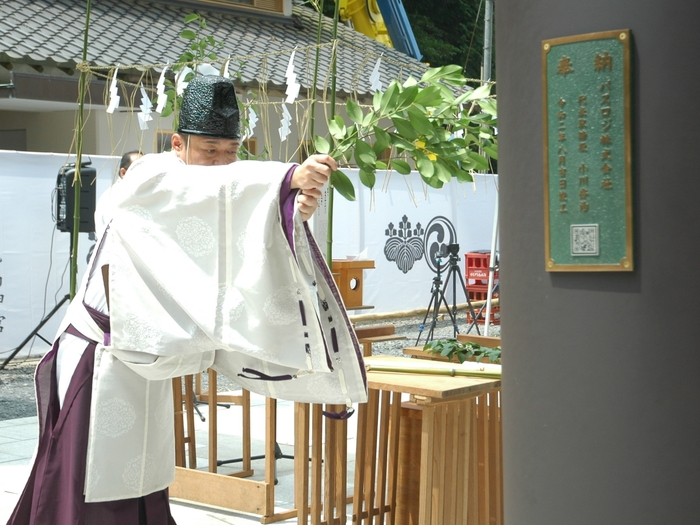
(65, 198)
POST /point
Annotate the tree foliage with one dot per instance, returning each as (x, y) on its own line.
(449, 32)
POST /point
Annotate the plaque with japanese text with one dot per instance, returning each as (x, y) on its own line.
(588, 152)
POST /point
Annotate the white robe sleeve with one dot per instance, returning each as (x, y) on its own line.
(200, 265)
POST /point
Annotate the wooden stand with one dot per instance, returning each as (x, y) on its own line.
(349, 278)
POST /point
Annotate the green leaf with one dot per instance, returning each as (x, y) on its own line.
(428, 97)
(401, 166)
(401, 143)
(420, 122)
(381, 165)
(382, 140)
(191, 18)
(442, 171)
(481, 162)
(492, 151)
(335, 130)
(369, 119)
(341, 123)
(354, 111)
(322, 145)
(377, 100)
(407, 97)
(425, 167)
(188, 34)
(364, 154)
(388, 101)
(410, 81)
(368, 177)
(405, 129)
(464, 176)
(342, 183)
(476, 94)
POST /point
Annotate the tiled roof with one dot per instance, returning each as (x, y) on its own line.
(142, 33)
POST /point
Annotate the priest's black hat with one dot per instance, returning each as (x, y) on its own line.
(209, 107)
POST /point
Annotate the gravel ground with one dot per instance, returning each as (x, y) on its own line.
(17, 379)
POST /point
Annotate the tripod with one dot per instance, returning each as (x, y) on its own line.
(438, 294)
(35, 332)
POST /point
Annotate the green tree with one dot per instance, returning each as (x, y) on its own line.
(449, 32)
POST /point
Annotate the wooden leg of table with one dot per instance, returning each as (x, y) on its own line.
(462, 460)
(245, 435)
(437, 515)
(473, 466)
(426, 465)
(179, 427)
(329, 488)
(483, 457)
(189, 404)
(451, 445)
(270, 461)
(370, 459)
(495, 474)
(393, 465)
(316, 464)
(383, 457)
(360, 447)
(301, 461)
(213, 423)
(341, 467)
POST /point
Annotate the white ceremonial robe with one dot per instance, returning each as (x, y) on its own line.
(201, 274)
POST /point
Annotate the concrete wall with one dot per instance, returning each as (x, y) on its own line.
(50, 131)
(601, 381)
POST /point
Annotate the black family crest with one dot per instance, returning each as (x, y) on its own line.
(439, 233)
(404, 245)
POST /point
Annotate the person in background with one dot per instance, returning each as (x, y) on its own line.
(103, 208)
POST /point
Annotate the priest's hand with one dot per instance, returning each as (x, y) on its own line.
(310, 178)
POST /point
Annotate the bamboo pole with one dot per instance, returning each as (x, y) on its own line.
(368, 318)
(465, 372)
(77, 182)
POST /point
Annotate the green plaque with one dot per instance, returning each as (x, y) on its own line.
(587, 152)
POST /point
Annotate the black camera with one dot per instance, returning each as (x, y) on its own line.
(450, 249)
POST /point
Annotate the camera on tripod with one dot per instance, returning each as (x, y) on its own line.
(450, 249)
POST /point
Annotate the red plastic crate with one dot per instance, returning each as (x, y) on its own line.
(479, 292)
(495, 316)
(476, 267)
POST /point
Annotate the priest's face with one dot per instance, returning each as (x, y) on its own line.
(205, 151)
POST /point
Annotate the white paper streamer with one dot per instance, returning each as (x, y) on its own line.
(146, 107)
(252, 121)
(375, 83)
(160, 90)
(292, 84)
(286, 121)
(113, 93)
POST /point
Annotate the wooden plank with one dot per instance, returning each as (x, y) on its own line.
(360, 446)
(190, 439)
(439, 465)
(373, 331)
(316, 463)
(383, 457)
(426, 465)
(449, 456)
(301, 461)
(220, 491)
(394, 437)
(213, 422)
(488, 342)
(179, 424)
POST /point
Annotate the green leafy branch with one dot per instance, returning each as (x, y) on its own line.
(443, 132)
(452, 348)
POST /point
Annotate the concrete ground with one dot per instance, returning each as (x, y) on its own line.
(18, 439)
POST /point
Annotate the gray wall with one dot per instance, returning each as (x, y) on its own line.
(601, 388)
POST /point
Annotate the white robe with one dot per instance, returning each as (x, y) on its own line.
(201, 274)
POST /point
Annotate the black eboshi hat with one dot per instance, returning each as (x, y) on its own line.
(209, 107)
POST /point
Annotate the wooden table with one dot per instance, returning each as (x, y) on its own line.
(454, 435)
